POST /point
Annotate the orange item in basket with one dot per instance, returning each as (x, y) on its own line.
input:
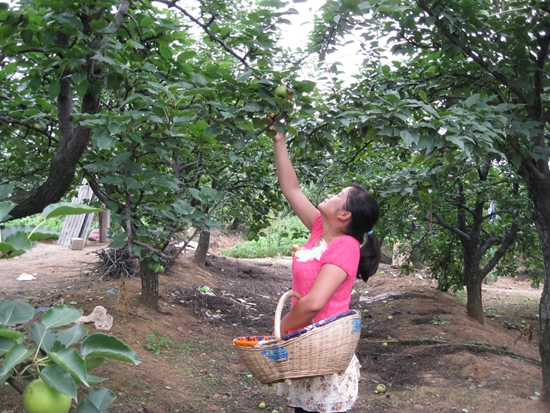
(250, 341)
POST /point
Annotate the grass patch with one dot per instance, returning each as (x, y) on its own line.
(274, 241)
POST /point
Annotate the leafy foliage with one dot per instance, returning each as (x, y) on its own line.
(53, 357)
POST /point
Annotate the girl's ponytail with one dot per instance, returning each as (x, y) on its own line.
(369, 258)
(364, 214)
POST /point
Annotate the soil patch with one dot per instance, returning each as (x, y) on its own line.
(431, 356)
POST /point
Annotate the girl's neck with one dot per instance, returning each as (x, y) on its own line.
(331, 232)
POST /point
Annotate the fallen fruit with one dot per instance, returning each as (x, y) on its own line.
(390, 317)
(261, 405)
(281, 92)
(249, 376)
(381, 388)
(384, 344)
(39, 397)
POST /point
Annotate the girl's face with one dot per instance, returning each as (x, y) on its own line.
(334, 203)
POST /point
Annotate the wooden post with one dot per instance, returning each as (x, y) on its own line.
(104, 224)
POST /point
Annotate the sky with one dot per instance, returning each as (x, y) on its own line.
(296, 35)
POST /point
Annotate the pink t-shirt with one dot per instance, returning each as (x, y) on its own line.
(343, 252)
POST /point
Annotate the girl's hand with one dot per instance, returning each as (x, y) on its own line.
(279, 136)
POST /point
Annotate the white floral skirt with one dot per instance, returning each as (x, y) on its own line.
(324, 394)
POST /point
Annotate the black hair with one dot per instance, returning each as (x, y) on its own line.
(364, 213)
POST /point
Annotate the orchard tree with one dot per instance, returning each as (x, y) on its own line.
(140, 100)
(479, 75)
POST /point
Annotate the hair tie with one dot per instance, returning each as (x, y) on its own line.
(370, 232)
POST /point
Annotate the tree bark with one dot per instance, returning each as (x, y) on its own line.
(473, 278)
(539, 191)
(202, 248)
(72, 144)
(474, 302)
(149, 286)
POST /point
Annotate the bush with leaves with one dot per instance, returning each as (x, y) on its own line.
(50, 354)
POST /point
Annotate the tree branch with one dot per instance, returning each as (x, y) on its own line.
(508, 241)
(206, 29)
(442, 223)
(471, 53)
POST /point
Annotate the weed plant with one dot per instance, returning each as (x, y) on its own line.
(156, 343)
(274, 241)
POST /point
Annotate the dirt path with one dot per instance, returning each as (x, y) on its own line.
(436, 359)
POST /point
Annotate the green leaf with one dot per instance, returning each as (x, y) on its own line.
(68, 19)
(42, 336)
(5, 345)
(134, 44)
(8, 251)
(9, 333)
(26, 36)
(54, 89)
(70, 361)
(87, 407)
(102, 398)
(92, 380)
(102, 345)
(38, 234)
(17, 354)
(66, 208)
(59, 379)
(92, 363)
(132, 183)
(116, 128)
(60, 315)
(395, 200)
(5, 208)
(165, 50)
(117, 243)
(19, 241)
(72, 335)
(104, 140)
(472, 100)
(15, 312)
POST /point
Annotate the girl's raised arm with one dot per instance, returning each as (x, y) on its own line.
(289, 184)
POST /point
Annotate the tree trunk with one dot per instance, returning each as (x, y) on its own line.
(72, 144)
(473, 278)
(539, 191)
(202, 248)
(149, 286)
(474, 302)
(235, 224)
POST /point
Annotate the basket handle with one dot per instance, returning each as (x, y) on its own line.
(279, 310)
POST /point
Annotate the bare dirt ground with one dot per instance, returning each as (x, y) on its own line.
(436, 358)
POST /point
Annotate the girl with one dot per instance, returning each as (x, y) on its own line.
(323, 273)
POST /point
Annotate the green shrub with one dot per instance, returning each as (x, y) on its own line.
(275, 240)
(55, 224)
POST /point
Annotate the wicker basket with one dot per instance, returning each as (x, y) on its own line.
(322, 348)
